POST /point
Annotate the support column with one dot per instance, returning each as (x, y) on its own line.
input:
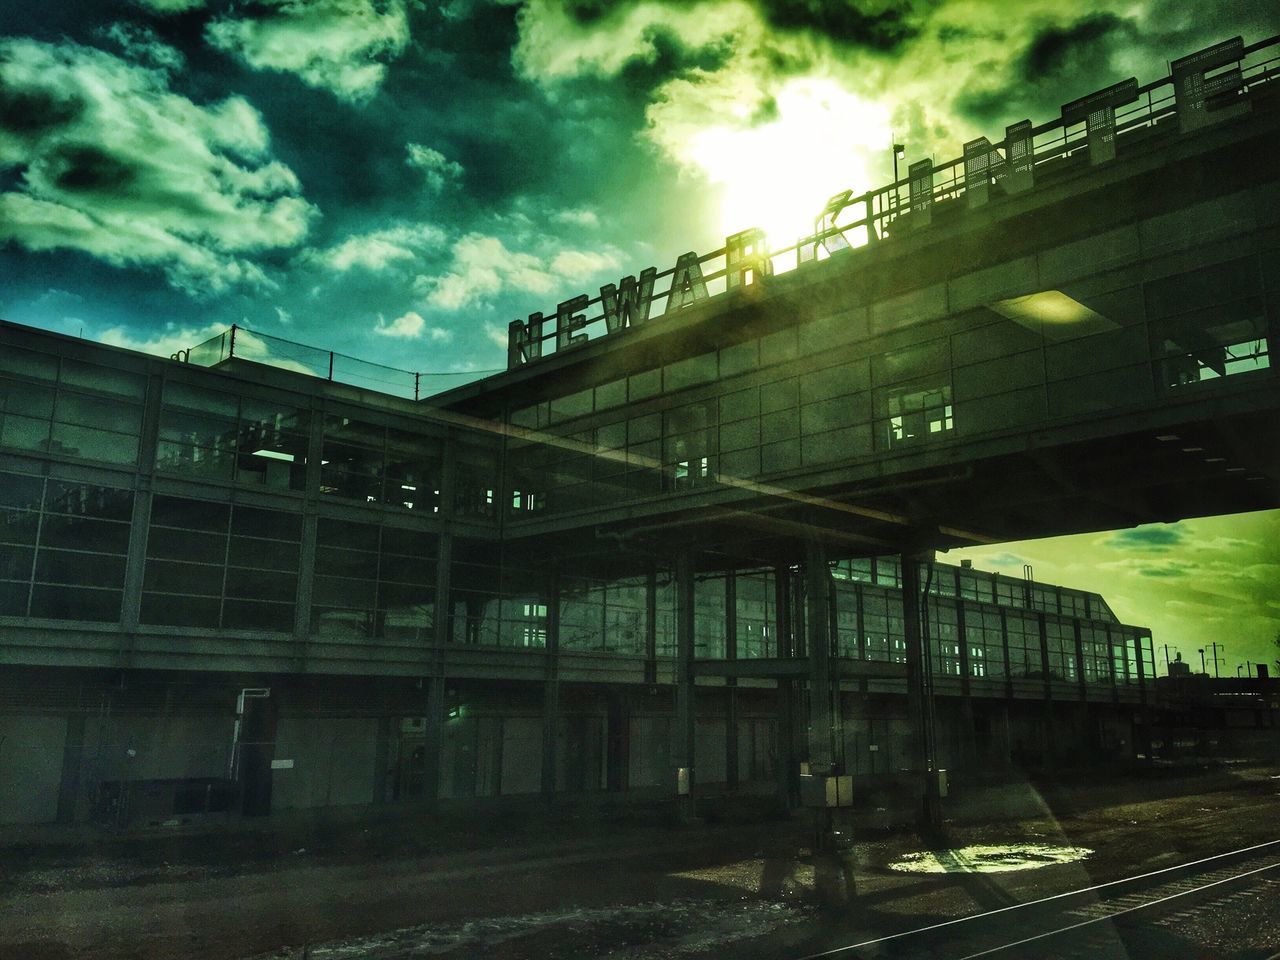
(618, 742)
(920, 694)
(817, 581)
(683, 733)
(72, 762)
(433, 733)
(551, 695)
(788, 758)
(732, 774)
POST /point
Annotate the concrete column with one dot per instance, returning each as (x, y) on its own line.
(731, 692)
(915, 659)
(72, 762)
(683, 733)
(618, 742)
(787, 756)
(434, 733)
(551, 695)
(817, 582)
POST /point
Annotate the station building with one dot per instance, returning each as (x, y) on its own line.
(670, 552)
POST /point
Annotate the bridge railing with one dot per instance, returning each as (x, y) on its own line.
(239, 342)
(855, 221)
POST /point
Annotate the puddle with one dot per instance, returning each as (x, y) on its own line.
(644, 931)
(992, 858)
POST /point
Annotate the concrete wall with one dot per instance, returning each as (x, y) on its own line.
(334, 762)
(31, 751)
(167, 747)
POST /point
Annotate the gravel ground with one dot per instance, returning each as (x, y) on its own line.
(579, 890)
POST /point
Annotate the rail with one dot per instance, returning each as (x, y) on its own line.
(239, 342)
(1109, 901)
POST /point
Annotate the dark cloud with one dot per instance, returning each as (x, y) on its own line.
(34, 111)
(845, 22)
(84, 167)
(1079, 45)
(1155, 539)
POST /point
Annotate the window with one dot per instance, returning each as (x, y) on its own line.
(80, 557)
(916, 415)
(216, 436)
(93, 414)
(211, 565)
(1208, 324)
(755, 609)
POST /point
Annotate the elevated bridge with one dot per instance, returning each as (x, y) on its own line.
(1067, 331)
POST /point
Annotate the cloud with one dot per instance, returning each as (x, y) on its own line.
(108, 161)
(333, 45)
(580, 217)
(1156, 539)
(141, 44)
(482, 268)
(169, 6)
(162, 343)
(436, 168)
(379, 250)
(411, 326)
(580, 265)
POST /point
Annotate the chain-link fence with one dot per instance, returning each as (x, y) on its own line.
(244, 344)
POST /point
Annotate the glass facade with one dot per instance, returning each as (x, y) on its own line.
(63, 548)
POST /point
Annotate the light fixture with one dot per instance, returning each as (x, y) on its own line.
(274, 455)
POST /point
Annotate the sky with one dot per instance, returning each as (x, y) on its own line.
(398, 179)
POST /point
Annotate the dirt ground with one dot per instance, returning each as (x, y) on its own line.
(582, 885)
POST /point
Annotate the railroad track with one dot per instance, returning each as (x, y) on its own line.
(1093, 923)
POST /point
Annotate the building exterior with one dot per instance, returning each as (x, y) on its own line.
(679, 553)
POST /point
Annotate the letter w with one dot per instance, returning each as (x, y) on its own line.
(627, 305)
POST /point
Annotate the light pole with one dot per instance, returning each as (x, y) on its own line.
(898, 151)
(1203, 668)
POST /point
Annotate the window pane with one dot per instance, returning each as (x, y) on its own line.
(75, 603)
(88, 500)
(93, 444)
(19, 490)
(25, 399)
(80, 534)
(79, 569)
(120, 383)
(255, 615)
(24, 433)
(189, 514)
(188, 579)
(180, 611)
(83, 410)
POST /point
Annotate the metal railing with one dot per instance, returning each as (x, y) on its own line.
(244, 344)
(876, 211)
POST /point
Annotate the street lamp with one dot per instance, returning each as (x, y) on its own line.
(1203, 668)
(898, 151)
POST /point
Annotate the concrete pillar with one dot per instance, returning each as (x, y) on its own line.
(618, 742)
(732, 774)
(683, 731)
(915, 660)
(433, 733)
(817, 609)
(72, 762)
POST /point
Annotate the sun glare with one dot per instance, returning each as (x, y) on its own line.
(778, 175)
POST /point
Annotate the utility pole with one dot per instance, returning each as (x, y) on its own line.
(1215, 646)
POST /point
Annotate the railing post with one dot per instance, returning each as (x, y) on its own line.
(417, 382)
(231, 347)
(330, 366)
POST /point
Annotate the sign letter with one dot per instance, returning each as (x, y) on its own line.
(1195, 93)
(1098, 110)
(568, 319)
(627, 305)
(524, 342)
(687, 285)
